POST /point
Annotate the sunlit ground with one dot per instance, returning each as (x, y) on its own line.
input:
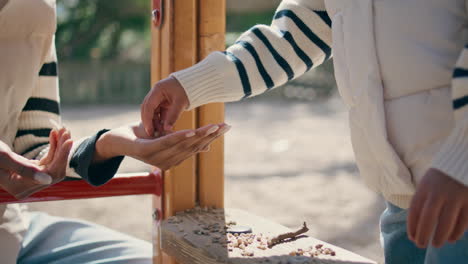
(294, 159)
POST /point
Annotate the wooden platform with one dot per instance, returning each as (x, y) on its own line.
(198, 236)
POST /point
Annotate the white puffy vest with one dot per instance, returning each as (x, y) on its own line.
(393, 62)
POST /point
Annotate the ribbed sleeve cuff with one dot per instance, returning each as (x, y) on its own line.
(453, 157)
(82, 158)
(212, 80)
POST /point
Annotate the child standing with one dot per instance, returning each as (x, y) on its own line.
(401, 68)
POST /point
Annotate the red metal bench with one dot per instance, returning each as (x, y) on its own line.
(120, 185)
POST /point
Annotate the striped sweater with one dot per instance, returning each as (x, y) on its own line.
(29, 105)
(299, 39)
(264, 57)
(41, 114)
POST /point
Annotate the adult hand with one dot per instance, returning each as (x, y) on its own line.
(21, 177)
(163, 152)
(163, 106)
(440, 205)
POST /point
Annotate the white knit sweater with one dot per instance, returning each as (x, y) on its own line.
(300, 38)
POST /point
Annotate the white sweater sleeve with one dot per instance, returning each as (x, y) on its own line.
(453, 157)
(264, 57)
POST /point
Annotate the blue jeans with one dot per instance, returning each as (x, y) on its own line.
(58, 240)
(399, 249)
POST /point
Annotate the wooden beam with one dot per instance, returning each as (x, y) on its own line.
(179, 51)
(157, 203)
(183, 239)
(211, 37)
(191, 30)
(185, 55)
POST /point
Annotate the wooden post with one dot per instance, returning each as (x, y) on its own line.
(190, 30)
(156, 59)
(212, 28)
(183, 54)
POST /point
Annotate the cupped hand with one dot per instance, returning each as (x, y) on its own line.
(163, 152)
(21, 177)
(163, 106)
(439, 207)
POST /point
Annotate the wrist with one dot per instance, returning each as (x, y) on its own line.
(104, 148)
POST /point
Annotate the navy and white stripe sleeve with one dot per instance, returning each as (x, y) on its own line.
(460, 86)
(41, 114)
(264, 57)
(452, 158)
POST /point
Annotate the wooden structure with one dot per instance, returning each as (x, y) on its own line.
(184, 32)
(195, 237)
(187, 32)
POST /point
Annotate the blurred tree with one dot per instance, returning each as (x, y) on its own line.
(103, 29)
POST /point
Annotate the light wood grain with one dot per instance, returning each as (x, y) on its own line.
(180, 241)
(157, 201)
(211, 37)
(174, 47)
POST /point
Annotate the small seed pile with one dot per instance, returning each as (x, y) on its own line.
(216, 233)
(247, 243)
(313, 251)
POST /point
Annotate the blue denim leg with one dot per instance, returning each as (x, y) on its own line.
(456, 253)
(398, 249)
(51, 240)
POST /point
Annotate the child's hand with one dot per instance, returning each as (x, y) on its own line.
(56, 161)
(22, 177)
(164, 152)
(440, 204)
(163, 106)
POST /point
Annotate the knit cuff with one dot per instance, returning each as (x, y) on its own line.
(212, 80)
(94, 174)
(452, 159)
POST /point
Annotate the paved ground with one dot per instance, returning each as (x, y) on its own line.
(293, 159)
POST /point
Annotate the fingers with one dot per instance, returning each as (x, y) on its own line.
(60, 160)
(157, 123)
(461, 226)
(205, 143)
(200, 144)
(170, 150)
(60, 163)
(196, 144)
(446, 224)
(170, 115)
(52, 147)
(169, 141)
(148, 108)
(414, 214)
(171, 97)
(427, 221)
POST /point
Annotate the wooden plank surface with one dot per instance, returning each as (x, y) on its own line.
(211, 37)
(196, 237)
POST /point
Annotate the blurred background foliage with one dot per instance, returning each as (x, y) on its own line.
(102, 30)
(104, 50)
